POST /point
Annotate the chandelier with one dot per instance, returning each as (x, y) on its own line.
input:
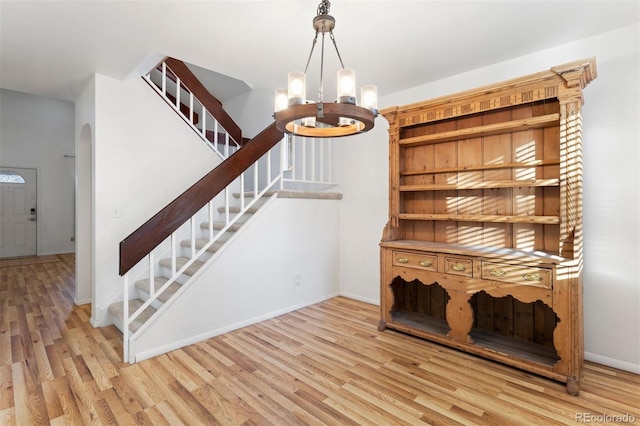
(296, 115)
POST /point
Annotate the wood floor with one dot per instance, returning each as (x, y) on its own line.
(326, 364)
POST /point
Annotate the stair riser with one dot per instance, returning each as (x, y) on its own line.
(145, 296)
(204, 257)
(166, 272)
(185, 245)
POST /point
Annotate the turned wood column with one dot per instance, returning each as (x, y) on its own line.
(459, 316)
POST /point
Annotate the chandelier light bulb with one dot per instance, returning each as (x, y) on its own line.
(297, 88)
(281, 100)
(369, 97)
(346, 85)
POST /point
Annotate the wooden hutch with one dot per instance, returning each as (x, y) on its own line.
(483, 248)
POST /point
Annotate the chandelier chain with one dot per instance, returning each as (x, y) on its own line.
(323, 7)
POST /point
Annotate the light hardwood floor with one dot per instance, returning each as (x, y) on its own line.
(324, 364)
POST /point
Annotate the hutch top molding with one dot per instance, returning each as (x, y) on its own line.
(562, 81)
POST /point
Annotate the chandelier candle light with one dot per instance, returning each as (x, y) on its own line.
(296, 115)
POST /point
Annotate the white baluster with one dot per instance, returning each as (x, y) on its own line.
(330, 160)
(268, 166)
(173, 254)
(226, 206)
(215, 134)
(211, 207)
(164, 79)
(242, 191)
(283, 159)
(321, 165)
(304, 158)
(152, 275)
(313, 159)
(125, 318)
(204, 122)
(255, 180)
(178, 86)
(193, 237)
(226, 146)
(191, 108)
(292, 158)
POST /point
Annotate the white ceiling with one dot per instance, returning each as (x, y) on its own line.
(51, 48)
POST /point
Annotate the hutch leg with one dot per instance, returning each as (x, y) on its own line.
(573, 386)
(459, 316)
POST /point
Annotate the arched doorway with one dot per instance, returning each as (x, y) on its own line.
(84, 218)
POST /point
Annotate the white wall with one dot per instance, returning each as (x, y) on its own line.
(144, 156)
(85, 125)
(37, 132)
(254, 277)
(611, 188)
(252, 111)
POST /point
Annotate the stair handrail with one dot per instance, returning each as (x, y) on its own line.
(148, 236)
(210, 102)
(199, 109)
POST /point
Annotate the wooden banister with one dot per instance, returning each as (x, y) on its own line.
(213, 105)
(144, 239)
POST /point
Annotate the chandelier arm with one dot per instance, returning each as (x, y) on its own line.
(333, 39)
(313, 45)
(321, 88)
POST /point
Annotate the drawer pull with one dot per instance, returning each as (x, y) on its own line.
(458, 267)
(533, 277)
(403, 260)
(425, 263)
(497, 272)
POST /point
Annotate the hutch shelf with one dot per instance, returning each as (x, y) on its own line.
(483, 247)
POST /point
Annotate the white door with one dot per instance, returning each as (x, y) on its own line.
(18, 214)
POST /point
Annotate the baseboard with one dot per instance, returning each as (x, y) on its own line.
(612, 362)
(82, 301)
(360, 298)
(94, 323)
(141, 356)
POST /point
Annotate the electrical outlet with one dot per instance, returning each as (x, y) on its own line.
(297, 279)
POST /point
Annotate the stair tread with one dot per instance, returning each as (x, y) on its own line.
(117, 310)
(250, 194)
(234, 209)
(180, 262)
(220, 225)
(201, 242)
(159, 282)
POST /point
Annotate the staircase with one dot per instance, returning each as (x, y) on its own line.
(146, 291)
(165, 255)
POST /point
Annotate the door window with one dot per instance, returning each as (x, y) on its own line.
(7, 176)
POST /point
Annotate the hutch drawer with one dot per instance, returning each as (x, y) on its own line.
(458, 266)
(516, 274)
(424, 261)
